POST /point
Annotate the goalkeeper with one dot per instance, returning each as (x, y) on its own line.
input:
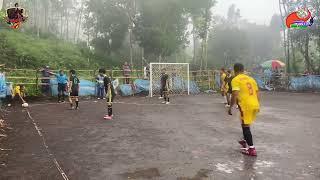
(165, 86)
(110, 95)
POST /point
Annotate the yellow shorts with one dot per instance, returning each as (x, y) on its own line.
(248, 116)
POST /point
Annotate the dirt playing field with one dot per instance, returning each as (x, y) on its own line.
(191, 139)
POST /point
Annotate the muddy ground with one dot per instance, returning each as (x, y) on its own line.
(191, 139)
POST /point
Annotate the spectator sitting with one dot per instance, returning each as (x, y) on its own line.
(19, 93)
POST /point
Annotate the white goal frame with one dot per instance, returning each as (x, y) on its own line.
(152, 78)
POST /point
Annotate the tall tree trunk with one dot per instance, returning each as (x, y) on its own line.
(283, 29)
(194, 59)
(67, 25)
(131, 48)
(78, 24)
(201, 56)
(79, 27)
(286, 7)
(61, 25)
(306, 53)
(38, 17)
(80, 20)
(293, 52)
(287, 44)
(46, 11)
(207, 20)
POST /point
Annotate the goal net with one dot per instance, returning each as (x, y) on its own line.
(178, 78)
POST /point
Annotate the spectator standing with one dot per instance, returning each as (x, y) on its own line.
(45, 80)
(62, 80)
(100, 84)
(126, 72)
(9, 93)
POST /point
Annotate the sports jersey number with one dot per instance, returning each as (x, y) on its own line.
(250, 88)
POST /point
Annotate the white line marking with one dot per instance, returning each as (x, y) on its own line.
(63, 174)
(138, 104)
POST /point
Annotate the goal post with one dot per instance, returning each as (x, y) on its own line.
(179, 78)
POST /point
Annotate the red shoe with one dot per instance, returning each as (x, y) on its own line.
(107, 117)
(243, 143)
(250, 152)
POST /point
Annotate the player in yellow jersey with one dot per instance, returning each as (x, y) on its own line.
(223, 88)
(246, 93)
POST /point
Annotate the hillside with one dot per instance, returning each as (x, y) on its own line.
(20, 50)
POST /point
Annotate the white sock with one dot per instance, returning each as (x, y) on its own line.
(225, 99)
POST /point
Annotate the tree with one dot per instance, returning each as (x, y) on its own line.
(227, 46)
(201, 16)
(106, 23)
(161, 27)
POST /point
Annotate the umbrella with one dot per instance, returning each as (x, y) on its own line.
(274, 64)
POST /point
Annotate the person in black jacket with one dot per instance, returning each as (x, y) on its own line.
(164, 89)
(227, 81)
(110, 96)
(74, 88)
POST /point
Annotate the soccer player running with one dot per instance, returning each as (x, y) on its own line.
(245, 91)
(111, 94)
(164, 90)
(74, 89)
(228, 87)
(223, 75)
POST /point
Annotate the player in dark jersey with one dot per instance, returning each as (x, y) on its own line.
(164, 91)
(74, 89)
(111, 94)
(227, 81)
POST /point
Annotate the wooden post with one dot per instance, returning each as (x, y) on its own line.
(37, 81)
(208, 75)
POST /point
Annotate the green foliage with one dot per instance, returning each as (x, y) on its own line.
(108, 21)
(25, 51)
(161, 27)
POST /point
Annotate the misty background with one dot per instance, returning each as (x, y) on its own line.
(206, 33)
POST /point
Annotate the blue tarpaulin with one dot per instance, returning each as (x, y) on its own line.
(194, 89)
(141, 85)
(3, 86)
(261, 84)
(305, 83)
(126, 90)
(87, 88)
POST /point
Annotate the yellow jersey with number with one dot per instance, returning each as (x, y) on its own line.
(223, 77)
(247, 87)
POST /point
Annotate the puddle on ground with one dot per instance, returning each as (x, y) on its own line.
(145, 173)
(201, 175)
(248, 164)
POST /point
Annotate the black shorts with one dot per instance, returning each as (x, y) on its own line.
(164, 89)
(74, 93)
(229, 91)
(62, 87)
